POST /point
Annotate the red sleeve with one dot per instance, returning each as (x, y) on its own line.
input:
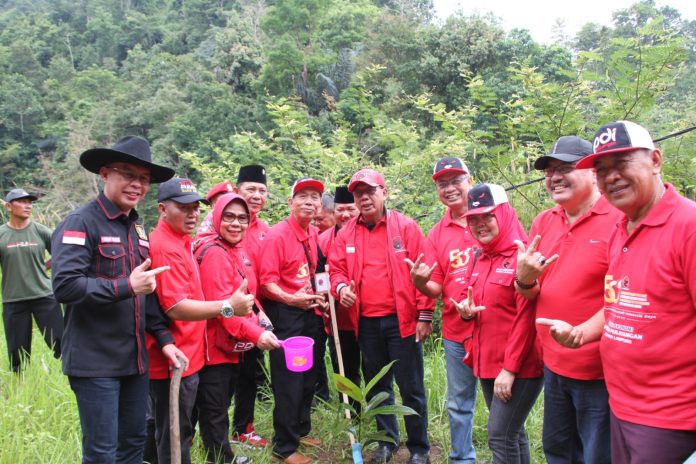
(416, 244)
(173, 285)
(689, 266)
(522, 335)
(270, 259)
(219, 277)
(338, 265)
(242, 328)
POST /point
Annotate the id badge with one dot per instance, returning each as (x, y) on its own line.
(322, 283)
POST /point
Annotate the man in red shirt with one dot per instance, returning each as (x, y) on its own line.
(449, 251)
(576, 230)
(344, 210)
(288, 262)
(369, 276)
(648, 323)
(181, 298)
(252, 186)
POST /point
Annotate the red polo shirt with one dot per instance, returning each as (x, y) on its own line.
(451, 246)
(571, 288)
(170, 248)
(504, 334)
(649, 342)
(282, 259)
(374, 283)
(223, 268)
(253, 239)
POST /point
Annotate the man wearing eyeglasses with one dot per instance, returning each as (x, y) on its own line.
(563, 269)
(101, 271)
(181, 296)
(370, 277)
(440, 272)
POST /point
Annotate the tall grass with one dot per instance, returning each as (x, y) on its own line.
(39, 421)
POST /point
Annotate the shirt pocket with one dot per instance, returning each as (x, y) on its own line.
(111, 262)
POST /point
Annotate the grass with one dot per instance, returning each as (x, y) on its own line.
(39, 421)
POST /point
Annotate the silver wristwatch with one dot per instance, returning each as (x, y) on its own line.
(226, 311)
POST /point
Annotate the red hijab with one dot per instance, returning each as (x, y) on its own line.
(509, 227)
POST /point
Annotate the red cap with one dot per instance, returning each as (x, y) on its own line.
(222, 187)
(307, 182)
(366, 176)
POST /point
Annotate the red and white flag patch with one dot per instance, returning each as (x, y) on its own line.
(74, 237)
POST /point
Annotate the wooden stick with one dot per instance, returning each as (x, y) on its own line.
(174, 430)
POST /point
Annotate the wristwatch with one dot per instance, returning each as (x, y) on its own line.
(226, 311)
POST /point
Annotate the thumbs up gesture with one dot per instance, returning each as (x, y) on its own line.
(240, 301)
(347, 295)
(142, 280)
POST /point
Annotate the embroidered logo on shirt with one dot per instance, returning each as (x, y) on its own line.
(397, 243)
(459, 258)
(303, 271)
(594, 241)
(74, 237)
(21, 244)
(140, 230)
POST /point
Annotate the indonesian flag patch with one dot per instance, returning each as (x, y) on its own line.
(74, 237)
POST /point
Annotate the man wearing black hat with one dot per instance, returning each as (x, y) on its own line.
(26, 287)
(563, 269)
(181, 296)
(101, 272)
(252, 186)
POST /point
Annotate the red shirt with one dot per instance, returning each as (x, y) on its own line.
(253, 239)
(169, 248)
(374, 283)
(282, 259)
(326, 242)
(649, 342)
(223, 268)
(504, 333)
(571, 288)
(451, 246)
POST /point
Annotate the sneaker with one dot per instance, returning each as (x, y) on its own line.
(250, 439)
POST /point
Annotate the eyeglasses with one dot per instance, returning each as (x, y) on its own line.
(456, 182)
(229, 218)
(563, 169)
(130, 176)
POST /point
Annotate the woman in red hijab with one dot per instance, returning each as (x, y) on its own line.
(504, 353)
(224, 268)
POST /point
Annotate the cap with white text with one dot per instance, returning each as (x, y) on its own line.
(617, 137)
(180, 190)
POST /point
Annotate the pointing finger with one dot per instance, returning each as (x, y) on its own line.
(545, 321)
(159, 270)
(144, 265)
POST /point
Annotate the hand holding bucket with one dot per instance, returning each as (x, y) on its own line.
(298, 353)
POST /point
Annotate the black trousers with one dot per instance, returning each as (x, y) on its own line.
(350, 354)
(322, 386)
(159, 392)
(244, 389)
(293, 391)
(17, 319)
(213, 402)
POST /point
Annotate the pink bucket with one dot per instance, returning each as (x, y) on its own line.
(298, 353)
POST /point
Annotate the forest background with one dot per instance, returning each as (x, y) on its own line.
(313, 88)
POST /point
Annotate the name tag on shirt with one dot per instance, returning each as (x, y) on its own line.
(350, 249)
(144, 243)
(107, 239)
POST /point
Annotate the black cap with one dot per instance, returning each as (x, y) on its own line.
(343, 196)
(449, 164)
(180, 190)
(18, 194)
(567, 149)
(483, 198)
(130, 149)
(252, 173)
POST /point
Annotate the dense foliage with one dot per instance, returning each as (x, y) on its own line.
(322, 87)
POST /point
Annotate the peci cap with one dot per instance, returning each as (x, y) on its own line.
(366, 176)
(222, 187)
(252, 173)
(617, 137)
(307, 182)
(483, 198)
(180, 190)
(18, 194)
(449, 164)
(130, 149)
(568, 149)
(343, 196)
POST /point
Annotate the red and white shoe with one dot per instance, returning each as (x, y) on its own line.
(250, 438)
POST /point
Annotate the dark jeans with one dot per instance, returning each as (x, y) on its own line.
(17, 319)
(380, 343)
(159, 392)
(350, 355)
(576, 420)
(507, 438)
(293, 391)
(213, 403)
(112, 417)
(244, 388)
(640, 444)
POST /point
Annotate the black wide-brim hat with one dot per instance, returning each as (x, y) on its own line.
(130, 149)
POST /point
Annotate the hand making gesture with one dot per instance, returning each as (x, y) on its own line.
(467, 307)
(531, 263)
